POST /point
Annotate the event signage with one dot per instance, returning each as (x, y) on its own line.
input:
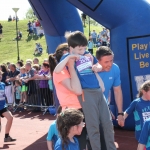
(139, 62)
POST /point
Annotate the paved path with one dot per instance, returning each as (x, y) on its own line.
(30, 130)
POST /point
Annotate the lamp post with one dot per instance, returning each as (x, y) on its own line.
(89, 26)
(15, 10)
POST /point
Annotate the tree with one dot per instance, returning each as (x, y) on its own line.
(30, 14)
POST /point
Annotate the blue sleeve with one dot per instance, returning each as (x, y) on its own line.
(145, 133)
(58, 145)
(131, 108)
(50, 133)
(117, 80)
(94, 60)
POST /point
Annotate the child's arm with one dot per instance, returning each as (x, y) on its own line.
(63, 63)
(97, 67)
(50, 145)
(140, 147)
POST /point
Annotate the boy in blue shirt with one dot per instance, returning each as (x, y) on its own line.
(141, 108)
(144, 140)
(4, 112)
(92, 100)
(52, 136)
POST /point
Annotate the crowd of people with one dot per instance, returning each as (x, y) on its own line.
(35, 28)
(100, 39)
(13, 18)
(81, 85)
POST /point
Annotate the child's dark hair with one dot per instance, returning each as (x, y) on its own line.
(18, 82)
(59, 110)
(145, 86)
(67, 119)
(103, 51)
(54, 58)
(52, 63)
(60, 51)
(76, 38)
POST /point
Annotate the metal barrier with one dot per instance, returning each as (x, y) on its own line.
(38, 95)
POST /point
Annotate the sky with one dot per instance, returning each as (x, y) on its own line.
(23, 5)
(7, 5)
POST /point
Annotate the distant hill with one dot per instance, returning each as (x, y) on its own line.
(8, 47)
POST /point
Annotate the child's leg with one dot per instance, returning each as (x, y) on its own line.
(25, 96)
(9, 118)
(89, 105)
(106, 123)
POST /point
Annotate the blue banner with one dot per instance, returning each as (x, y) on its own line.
(139, 61)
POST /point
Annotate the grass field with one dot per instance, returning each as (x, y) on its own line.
(8, 48)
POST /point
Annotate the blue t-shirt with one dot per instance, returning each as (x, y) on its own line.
(18, 92)
(145, 135)
(70, 146)
(53, 133)
(87, 78)
(2, 96)
(90, 45)
(23, 75)
(85, 73)
(141, 111)
(110, 78)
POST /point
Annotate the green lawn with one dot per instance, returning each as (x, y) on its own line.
(8, 48)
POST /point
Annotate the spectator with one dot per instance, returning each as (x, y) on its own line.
(9, 18)
(14, 18)
(45, 93)
(17, 90)
(90, 45)
(94, 36)
(37, 26)
(34, 27)
(36, 61)
(29, 61)
(38, 49)
(19, 64)
(24, 87)
(1, 31)
(29, 25)
(19, 35)
(40, 32)
(103, 32)
(104, 40)
(11, 78)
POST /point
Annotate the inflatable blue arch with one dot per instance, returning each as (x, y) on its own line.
(129, 24)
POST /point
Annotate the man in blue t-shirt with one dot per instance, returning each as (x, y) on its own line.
(110, 75)
(144, 140)
(4, 112)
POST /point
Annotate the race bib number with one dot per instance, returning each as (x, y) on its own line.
(83, 63)
(146, 115)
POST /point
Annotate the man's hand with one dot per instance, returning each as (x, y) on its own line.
(120, 119)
